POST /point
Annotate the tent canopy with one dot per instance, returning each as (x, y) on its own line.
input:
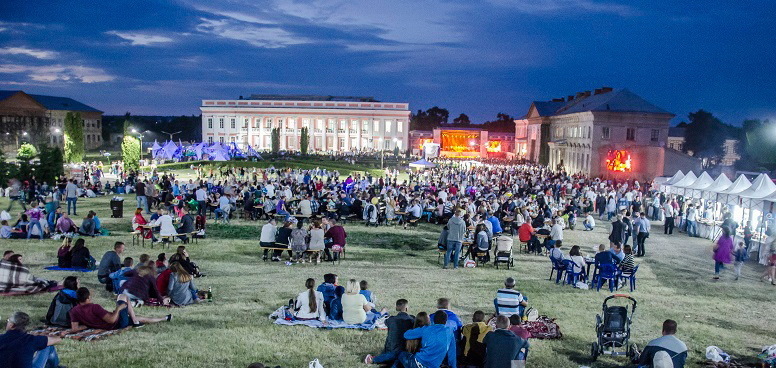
(741, 184)
(720, 184)
(422, 163)
(675, 179)
(702, 182)
(686, 180)
(761, 187)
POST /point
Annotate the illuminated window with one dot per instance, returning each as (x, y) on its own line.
(388, 126)
(655, 135)
(630, 134)
(605, 133)
(399, 126)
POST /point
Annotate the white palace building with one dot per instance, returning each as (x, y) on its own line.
(335, 123)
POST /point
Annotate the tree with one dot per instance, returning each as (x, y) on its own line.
(705, 135)
(304, 141)
(758, 145)
(8, 170)
(130, 149)
(74, 137)
(429, 119)
(275, 140)
(503, 123)
(462, 119)
(51, 164)
(26, 152)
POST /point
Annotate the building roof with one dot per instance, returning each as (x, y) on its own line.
(6, 94)
(312, 98)
(62, 103)
(619, 100)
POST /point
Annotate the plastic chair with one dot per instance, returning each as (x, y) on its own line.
(571, 276)
(630, 277)
(558, 266)
(610, 272)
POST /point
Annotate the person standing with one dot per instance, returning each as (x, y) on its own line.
(668, 213)
(140, 192)
(503, 348)
(456, 230)
(71, 194)
(643, 233)
(20, 349)
(692, 218)
(201, 196)
(722, 251)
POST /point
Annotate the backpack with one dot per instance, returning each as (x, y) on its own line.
(59, 310)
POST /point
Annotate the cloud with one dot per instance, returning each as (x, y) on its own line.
(265, 37)
(39, 54)
(555, 7)
(54, 73)
(239, 15)
(140, 38)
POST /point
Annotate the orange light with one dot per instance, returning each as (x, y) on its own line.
(423, 141)
(494, 146)
(618, 160)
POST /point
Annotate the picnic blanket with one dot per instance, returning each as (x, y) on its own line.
(18, 293)
(542, 328)
(91, 334)
(16, 278)
(285, 318)
(57, 268)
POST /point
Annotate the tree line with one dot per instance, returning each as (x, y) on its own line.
(437, 117)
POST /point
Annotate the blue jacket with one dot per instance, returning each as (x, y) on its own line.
(496, 224)
(437, 342)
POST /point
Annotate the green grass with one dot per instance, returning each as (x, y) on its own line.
(233, 331)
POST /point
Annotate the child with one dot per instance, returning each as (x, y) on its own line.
(367, 293)
(740, 255)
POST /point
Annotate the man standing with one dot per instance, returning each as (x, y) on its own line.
(110, 262)
(643, 233)
(71, 194)
(438, 343)
(692, 218)
(668, 344)
(503, 348)
(508, 300)
(456, 230)
(201, 196)
(668, 211)
(140, 192)
(20, 349)
(394, 342)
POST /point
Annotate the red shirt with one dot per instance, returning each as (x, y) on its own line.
(524, 232)
(337, 235)
(520, 332)
(162, 281)
(90, 315)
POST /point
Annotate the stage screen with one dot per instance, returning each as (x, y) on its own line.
(460, 141)
(618, 160)
(494, 146)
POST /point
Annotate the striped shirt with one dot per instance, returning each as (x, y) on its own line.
(508, 301)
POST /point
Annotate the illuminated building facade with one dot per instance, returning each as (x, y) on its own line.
(608, 132)
(335, 124)
(468, 142)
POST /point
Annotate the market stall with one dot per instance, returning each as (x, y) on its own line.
(666, 187)
(751, 209)
(710, 214)
(680, 187)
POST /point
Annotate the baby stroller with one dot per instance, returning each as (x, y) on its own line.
(613, 331)
(370, 215)
(504, 250)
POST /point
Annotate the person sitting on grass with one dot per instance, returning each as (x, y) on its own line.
(161, 263)
(143, 260)
(370, 297)
(503, 348)
(88, 226)
(589, 222)
(20, 349)
(453, 322)
(63, 253)
(79, 254)
(182, 256)
(516, 326)
(508, 300)
(473, 354)
(668, 345)
(22, 225)
(141, 287)
(15, 277)
(437, 343)
(180, 287)
(110, 262)
(355, 309)
(394, 341)
(118, 278)
(309, 303)
(63, 302)
(330, 290)
(89, 315)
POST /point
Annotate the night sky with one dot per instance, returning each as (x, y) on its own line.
(479, 57)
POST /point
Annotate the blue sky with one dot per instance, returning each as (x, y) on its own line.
(479, 57)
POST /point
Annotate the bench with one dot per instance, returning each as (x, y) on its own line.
(524, 245)
(315, 251)
(137, 236)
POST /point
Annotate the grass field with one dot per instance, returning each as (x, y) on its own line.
(233, 331)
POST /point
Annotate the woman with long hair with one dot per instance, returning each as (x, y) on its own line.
(64, 259)
(79, 254)
(421, 320)
(181, 288)
(182, 256)
(309, 303)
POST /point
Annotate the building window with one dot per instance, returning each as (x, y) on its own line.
(210, 140)
(343, 124)
(331, 124)
(210, 123)
(221, 123)
(233, 123)
(399, 126)
(221, 139)
(342, 143)
(306, 123)
(630, 134)
(291, 124)
(388, 126)
(589, 129)
(319, 124)
(376, 126)
(245, 124)
(655, 135)
(605, 133)
(366, 126)
(234, 139)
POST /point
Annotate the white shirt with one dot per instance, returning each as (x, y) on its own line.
(303, 304)
(223, 204)
(165, 224)
(556, 232)
(268, 233)
(589, 220)
(668, 209)
(201, 194)
(270, 190)
(692, 214)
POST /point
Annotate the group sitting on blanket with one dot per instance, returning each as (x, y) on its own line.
(325, 235)
(75, 256)
(16, 278)
(44, 221)
(353, 304)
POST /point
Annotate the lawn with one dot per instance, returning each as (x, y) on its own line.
(233, 331)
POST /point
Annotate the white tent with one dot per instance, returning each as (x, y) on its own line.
(718, 185)
(422, 164)
(697, 187)
(685, 182)
(666, 187)
(753, 201)
(761, 187)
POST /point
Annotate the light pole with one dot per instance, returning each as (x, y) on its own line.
(171, 134)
